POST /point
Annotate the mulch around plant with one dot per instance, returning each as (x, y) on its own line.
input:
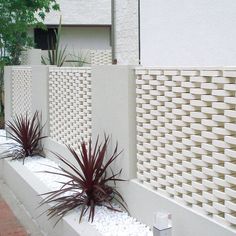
(9, 224)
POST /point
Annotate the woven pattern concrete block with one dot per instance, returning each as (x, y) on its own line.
(70, 105)
(21, 90)
(101, 57)
(186, 137)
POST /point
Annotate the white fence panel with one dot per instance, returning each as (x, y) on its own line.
(186, 137)
(70, 104)
(21, 90)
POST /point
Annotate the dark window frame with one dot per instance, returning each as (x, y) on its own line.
(45, 39)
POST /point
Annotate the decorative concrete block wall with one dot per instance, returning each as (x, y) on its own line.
(21, 93)
(186, 129)
(101, 57)
(186, 124)
(70, 104)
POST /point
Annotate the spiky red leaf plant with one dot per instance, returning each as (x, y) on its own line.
(88, 183)
(26, 134)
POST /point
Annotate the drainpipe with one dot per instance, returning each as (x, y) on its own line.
(114, 60)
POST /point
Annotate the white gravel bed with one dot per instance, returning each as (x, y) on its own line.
(107, 222)
(3, 139)
(38, 165)
(2, 136)
(4, 142)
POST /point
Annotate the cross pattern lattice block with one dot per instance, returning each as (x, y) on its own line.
(70, 105)
(186, 137)
(21, 90)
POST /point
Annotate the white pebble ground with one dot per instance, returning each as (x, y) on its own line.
(4, 143)
(107, 222)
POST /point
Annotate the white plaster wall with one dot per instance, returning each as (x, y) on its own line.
(126, 31)
(85, 12)
(86, 38)
(80, 40)
(188, 32)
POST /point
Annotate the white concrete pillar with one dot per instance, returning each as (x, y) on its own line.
(8, 92)
(31, 57)
(40, 94)
(113, 112)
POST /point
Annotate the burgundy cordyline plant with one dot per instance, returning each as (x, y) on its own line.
(88, 184)
(26, 135)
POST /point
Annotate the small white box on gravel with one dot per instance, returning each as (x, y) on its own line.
(162, 224)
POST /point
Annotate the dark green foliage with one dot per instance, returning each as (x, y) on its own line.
(16, 18)
(2, 122)
(57, 54)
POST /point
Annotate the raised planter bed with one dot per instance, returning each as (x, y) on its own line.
(28, 182)
(27, 187)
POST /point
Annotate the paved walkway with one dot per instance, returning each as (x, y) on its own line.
(9, 225)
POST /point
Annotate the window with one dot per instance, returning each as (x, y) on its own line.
(45, 39)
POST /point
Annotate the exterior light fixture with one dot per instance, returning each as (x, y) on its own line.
(162, 224)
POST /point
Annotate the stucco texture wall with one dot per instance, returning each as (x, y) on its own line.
(76, 38)
(80, 40)
(81, 12)
(126, 32)
(188, 32)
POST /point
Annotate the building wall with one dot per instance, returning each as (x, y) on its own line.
(188, 32)
(85, 37)
(126, 31)
(77, 12)
(79, 40)
(76, 38)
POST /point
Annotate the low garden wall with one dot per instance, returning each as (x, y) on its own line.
(176, 126)
(27, 189)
